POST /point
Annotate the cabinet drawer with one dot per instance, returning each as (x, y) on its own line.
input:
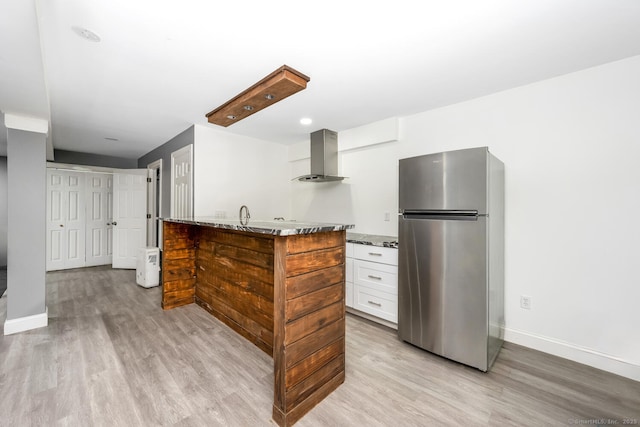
(376, 254)
(377, 276)
(349, 297)
(348, 270)
(376, 303)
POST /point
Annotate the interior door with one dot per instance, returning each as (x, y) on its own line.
(182, 182)
(65, 220)
(129, 216)
(99, 231)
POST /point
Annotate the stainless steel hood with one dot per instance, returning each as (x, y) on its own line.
(324, 157)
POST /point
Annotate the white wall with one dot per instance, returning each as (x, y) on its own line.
(368, 192)
(571, 146)
(232, 170)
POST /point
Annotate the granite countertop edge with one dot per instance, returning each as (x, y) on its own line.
(275, 228)
(371, 239)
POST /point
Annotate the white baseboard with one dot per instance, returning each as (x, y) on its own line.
(26, 323)
(579, 354)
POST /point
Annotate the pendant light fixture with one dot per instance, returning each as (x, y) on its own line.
(283, 82)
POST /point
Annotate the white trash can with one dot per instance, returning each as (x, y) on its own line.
(148, 267)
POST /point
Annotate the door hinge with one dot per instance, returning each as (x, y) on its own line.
(148, 216)
(148, 179)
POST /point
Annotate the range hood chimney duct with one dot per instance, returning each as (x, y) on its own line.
(324, 157)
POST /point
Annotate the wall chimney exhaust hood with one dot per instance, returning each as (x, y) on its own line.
(324, 157)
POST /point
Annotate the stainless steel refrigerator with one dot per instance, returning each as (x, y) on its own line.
(451, 255)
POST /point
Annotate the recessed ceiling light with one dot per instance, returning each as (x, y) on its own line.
(86, 34)
(305, 121)
(108, 138)
(248, 107)
(269, 96)
(231, 117)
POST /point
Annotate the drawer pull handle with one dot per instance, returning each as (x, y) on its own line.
(375, 303)
(375, 254)
(375, 277)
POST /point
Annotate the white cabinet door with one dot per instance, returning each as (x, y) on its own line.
(129, 217)
(65, 238)
(99, 231)
(182, 182)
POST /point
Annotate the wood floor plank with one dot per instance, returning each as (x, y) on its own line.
(111, 356)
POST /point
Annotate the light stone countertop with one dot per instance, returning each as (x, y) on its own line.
(372, 239)
(276, 228)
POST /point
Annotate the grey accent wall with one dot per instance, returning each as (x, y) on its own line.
(164, 152)
(88, 159)
(3, 211)
(26, 172)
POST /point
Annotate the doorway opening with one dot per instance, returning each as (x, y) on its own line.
(154, 203)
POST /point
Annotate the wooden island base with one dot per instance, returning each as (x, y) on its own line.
(285, 294)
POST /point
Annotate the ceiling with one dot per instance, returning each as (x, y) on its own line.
(162, 65)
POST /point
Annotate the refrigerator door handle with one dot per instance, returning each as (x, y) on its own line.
(442, 215)
(439, 212)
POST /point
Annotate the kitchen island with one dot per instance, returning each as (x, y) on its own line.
(281, 285)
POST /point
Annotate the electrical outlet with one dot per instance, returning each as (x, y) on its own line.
(525, 302)
(220, 214)
(387, 216)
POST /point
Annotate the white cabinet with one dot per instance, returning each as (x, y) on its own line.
(378, 254)
(372, 282)
(349, 275)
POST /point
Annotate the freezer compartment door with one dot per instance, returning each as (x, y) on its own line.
(454, 180)
(442, 287)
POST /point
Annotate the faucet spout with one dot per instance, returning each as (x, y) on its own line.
(244, 218)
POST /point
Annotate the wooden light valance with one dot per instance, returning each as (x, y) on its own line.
(283, 82)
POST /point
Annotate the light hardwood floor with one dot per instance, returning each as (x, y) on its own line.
(111, 356)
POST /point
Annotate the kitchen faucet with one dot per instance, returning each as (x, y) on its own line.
(244, 220)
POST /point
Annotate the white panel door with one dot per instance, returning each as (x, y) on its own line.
(55, 221)
(99, 198)
(182, 182)
(65, 220)
(75, 225)
(129, 217)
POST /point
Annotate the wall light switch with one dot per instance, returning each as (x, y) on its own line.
(387, 216)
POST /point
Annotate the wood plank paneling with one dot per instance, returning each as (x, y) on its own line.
(285, 294)
(315, 321)
(313, 242)
(235, 281)
(314, 342)
(313, 281)
(178, 285)
(289, 418)
(254, 241)
(178, 265)
(313, 362)
(308, 303)
(233, 325)
(279, 324)
(309, 349)
(309, 385)
(307, 262)
(254, 307)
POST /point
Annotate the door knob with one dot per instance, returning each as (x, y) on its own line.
(61, 225)
(114, 223)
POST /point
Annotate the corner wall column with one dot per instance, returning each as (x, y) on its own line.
(26, 234)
